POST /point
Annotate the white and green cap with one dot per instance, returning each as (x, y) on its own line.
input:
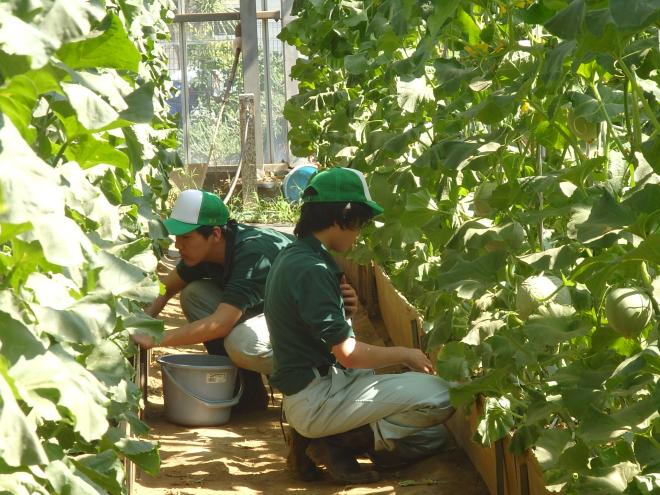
(194, 208)
(340, 184)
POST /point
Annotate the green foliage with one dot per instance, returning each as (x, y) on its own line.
(267, 210)
(554, 105)
(85, 148)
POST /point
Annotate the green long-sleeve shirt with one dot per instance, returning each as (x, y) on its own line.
(304, 309)
(249, 255)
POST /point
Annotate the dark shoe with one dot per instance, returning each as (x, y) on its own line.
(388, 461)
(337, 454)
(358, 440)
(298, 462)
(255, 396)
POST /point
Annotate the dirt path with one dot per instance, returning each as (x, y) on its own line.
(247, 455)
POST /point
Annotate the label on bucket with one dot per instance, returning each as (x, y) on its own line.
(216, 377)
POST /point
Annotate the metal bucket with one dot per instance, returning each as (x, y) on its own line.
(198, 388)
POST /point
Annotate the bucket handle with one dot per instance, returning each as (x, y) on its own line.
(208, 403)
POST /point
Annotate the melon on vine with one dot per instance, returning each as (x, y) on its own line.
(537, 290)
(628, 310)
(581, 127)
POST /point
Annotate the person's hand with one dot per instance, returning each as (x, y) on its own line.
(350, 297)
(144, 341)
(416, 360)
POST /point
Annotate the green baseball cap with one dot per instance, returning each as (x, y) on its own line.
(339, 184)
(194, 208)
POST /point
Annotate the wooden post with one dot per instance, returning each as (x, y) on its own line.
(250, 51)
(248, 149)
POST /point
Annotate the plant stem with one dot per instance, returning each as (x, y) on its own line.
(60, 153)
(626, 110)
(616, 139)
(646, 278)
(639, 94)
(539, 172)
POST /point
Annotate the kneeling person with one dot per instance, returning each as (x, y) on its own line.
(335, 403)
(221, 278)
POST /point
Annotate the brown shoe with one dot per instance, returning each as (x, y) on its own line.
(358, 440)
(298, 462)
(337, 453)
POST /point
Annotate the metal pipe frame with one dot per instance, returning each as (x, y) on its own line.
(268, 86)
(185, 103)
(224, 16)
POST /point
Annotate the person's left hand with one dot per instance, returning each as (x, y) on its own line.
(144, 341)
(350, 297)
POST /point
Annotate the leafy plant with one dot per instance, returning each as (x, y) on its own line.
(276, 210)
(85, 148)
(554, 105)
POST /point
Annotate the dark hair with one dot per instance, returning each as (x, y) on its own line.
(207, 230)
(315, 217)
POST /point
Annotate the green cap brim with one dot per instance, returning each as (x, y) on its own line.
(176, 227)
(375, 207)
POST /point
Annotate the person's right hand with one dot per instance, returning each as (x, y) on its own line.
(416, 360)
(144, 341)
(350, 298)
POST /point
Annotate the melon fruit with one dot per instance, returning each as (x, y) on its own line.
(628, 310)
(536, 290)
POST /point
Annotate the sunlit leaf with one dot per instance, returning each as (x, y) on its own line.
(25, 179)
(78, 391)
(21, 38)
(111, 49)
(87, 321)
(496, 420)
(412, 92)
(68, 20)
(68, 480)
(20, 445)
(92, 111)
(551, 259)
(21, 483)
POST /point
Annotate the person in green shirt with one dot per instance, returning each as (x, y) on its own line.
(336, 405)
(221, 279)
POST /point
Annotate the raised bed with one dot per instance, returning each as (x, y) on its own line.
(503, 472)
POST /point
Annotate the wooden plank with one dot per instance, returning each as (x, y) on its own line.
(396, 311)
(362, 278)
(463, 428)
(535, 476)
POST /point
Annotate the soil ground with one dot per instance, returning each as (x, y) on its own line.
(247, 455)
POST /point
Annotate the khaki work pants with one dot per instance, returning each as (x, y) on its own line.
(248, 343)
(405, 411)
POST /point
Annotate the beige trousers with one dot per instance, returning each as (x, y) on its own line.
(248, 343)
(405, 411)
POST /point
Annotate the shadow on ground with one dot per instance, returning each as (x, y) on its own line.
(247, 454)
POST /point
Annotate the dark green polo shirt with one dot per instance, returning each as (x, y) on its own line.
(305, 313)
(249, 255)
